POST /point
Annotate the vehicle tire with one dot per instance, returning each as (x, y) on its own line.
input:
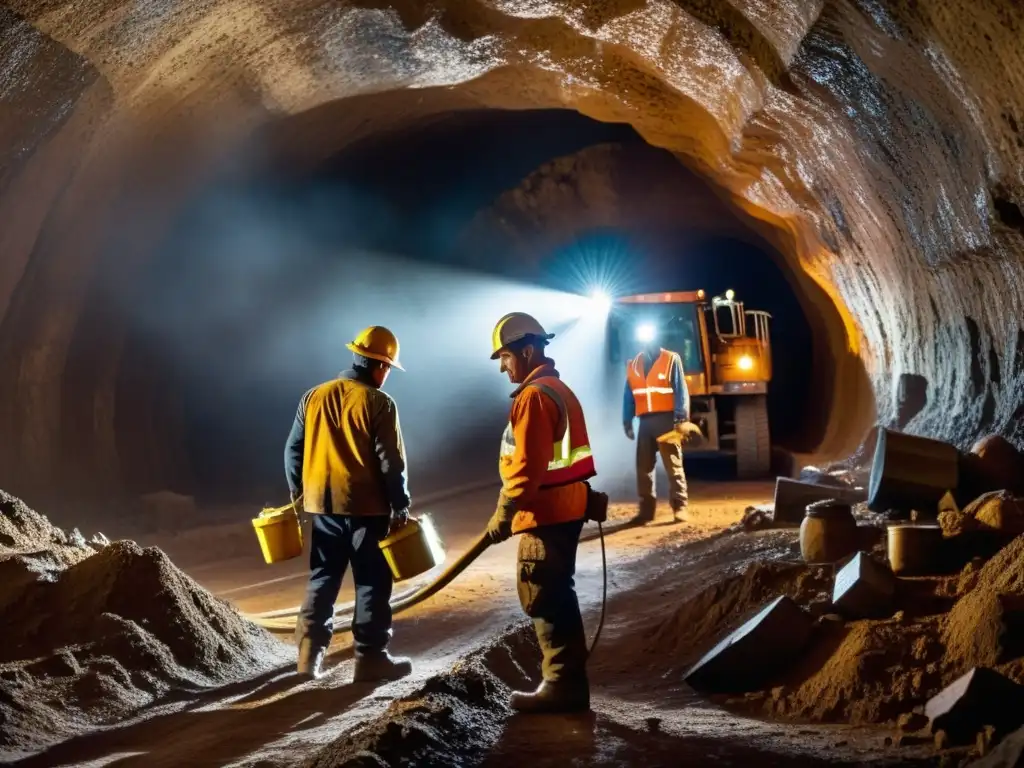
(753, 441)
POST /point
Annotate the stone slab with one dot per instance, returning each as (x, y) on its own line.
(864, 588)
(766, 643)
(793, 496)
(980, 698)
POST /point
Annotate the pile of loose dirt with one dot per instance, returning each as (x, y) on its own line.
(452, 720)
(29, 536)
(864, 672)
(868, 671)
(999, 513)
(698, 623)
(90, 642)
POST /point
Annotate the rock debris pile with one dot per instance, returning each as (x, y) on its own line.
(452, 720)
(867, 671)
(95, 631)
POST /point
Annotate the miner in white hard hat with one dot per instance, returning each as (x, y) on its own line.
(545, 461)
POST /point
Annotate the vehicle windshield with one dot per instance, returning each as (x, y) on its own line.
(674, 325)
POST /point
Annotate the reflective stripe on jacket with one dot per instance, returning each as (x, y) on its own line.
(545, 453)
(653, 393)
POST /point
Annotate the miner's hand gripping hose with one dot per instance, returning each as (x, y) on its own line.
(284, 620)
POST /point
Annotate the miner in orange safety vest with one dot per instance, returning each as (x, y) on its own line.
(657, 396)
(545, 459)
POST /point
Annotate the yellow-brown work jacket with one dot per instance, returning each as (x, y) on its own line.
(352, 453)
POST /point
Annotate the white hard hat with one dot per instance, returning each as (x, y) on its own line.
(513, 327)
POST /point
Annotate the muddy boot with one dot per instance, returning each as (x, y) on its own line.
(679, 515)
(311, 658)
(644, 515)
(556, 696)
(380, 667)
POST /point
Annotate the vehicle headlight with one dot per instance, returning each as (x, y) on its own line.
(645, 332)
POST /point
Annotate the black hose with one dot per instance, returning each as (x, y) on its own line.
(344, 623)
(480, 544)
(429, 590)
(604, 592)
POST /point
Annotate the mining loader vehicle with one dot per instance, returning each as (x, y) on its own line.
(726, 354)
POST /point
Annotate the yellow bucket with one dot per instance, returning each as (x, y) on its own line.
(413, 549)
(280, 534)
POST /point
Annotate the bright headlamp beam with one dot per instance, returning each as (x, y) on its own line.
(601, 300)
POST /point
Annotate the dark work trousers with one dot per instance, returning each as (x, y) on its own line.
(337, 541)
(547, 592)
(652, 425)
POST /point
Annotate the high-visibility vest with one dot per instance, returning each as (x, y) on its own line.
(653, 393)
(572, 460)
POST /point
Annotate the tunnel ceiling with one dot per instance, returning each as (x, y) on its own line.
(878, 145)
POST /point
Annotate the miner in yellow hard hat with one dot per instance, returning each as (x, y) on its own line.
(544, 463)
(345, 457)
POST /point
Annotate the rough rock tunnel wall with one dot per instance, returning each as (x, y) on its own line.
(877, 144)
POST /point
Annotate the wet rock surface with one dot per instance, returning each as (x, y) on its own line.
(879, 144)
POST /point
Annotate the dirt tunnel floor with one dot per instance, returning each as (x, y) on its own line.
(469, 645)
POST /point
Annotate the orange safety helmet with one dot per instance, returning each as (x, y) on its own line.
(377, 343)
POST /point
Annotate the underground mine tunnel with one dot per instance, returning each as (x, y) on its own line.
(222, 302)
(199, 206)
(247, 300)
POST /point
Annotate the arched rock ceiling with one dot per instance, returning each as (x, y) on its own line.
(629, 186)
(878, 143)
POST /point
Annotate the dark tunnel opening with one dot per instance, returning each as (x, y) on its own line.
(249, 257)
(263, 280)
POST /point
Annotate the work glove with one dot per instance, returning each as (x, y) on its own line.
(500, 526)
(628, 429)
(690, 433)
(398, 519)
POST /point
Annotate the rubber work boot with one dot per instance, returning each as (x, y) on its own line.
(554, 696)
(311, 657)
(380, 667)
(644, 515)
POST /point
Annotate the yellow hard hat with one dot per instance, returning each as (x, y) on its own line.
(377, 343)
(513, 327)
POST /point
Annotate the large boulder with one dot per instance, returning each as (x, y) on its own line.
(1000, 463)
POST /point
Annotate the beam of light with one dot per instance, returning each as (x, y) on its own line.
(602, 301)
(263, 306)
(263, 312)
(599, 264)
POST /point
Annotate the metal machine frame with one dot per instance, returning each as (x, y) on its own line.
(737, 424)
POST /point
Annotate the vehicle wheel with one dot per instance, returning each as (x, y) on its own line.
(753, 441)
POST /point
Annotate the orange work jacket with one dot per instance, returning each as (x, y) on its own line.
(545, 453)
(653, 393)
